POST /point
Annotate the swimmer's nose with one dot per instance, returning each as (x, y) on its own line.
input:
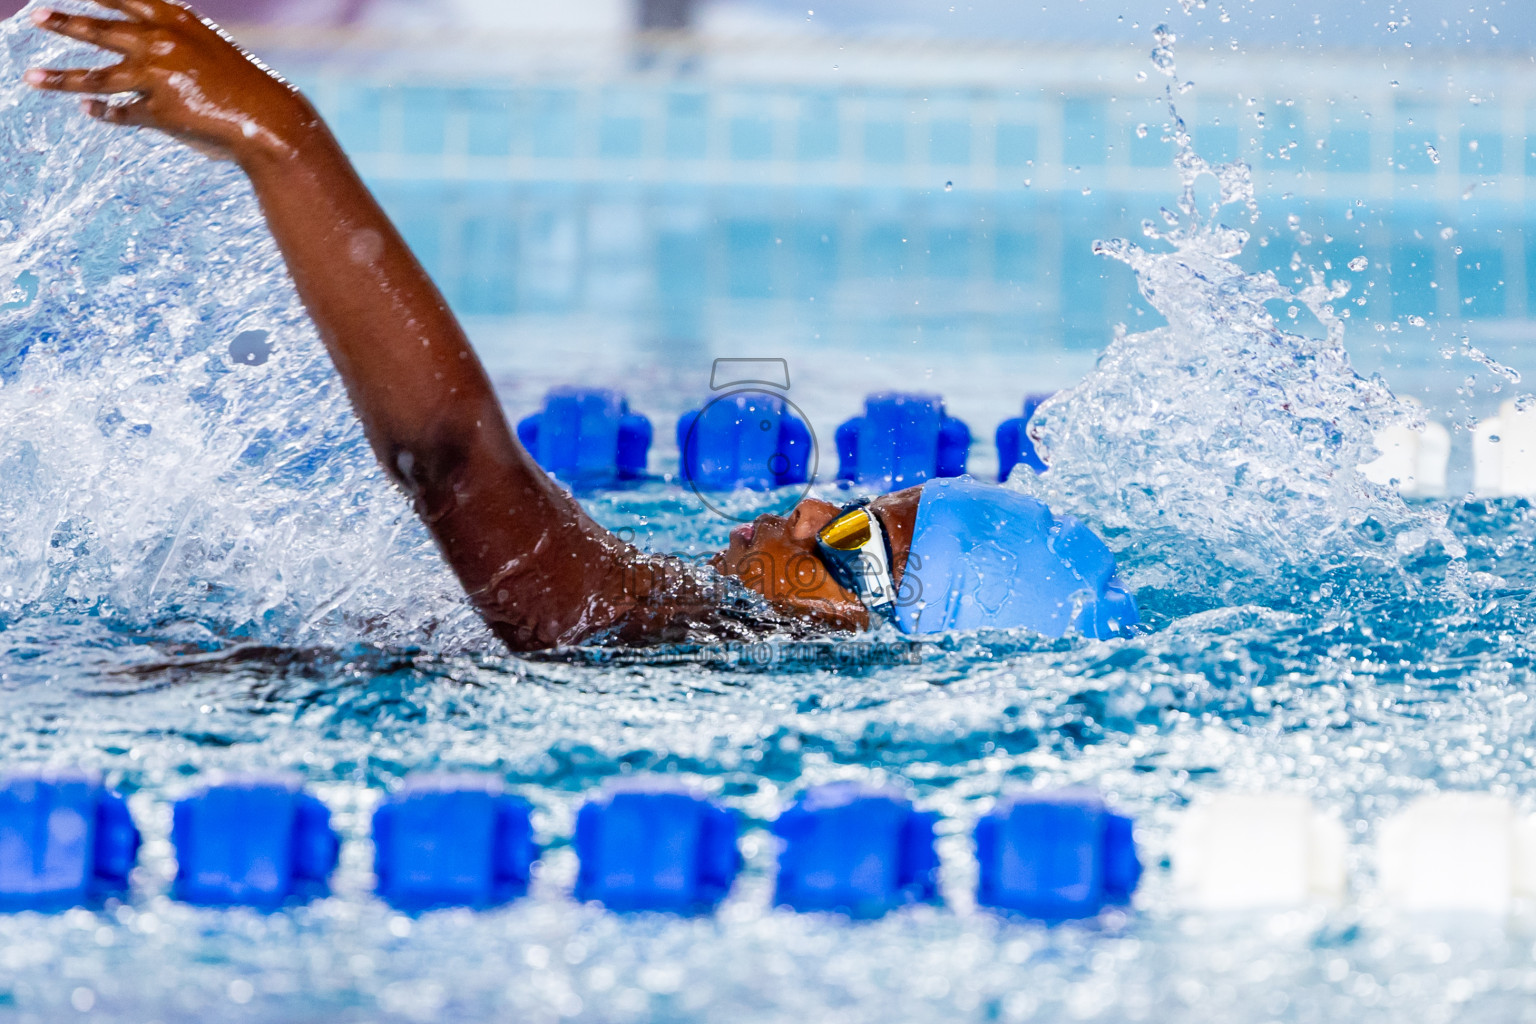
(744, 533)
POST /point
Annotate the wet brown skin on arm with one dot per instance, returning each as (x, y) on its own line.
(540, 571)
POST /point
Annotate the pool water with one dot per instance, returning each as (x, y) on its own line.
(201, 570)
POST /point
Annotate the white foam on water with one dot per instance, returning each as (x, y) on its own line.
(1220, 450)
(150, 478)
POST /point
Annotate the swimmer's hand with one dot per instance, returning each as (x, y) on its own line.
(183, 76)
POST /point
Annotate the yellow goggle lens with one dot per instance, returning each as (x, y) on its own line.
(849, 533)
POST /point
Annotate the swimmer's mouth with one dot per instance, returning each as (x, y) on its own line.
(744, 533)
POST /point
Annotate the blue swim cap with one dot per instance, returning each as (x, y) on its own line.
(985, 557)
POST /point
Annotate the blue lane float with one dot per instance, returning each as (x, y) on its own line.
(456, 840)
(1014, 445)
(452, 841)
(588, 437)
(745, 440)
(256, 842)
(854, 850)
(1056, 856)
(65, 840)
(901, 441)
(655, 849)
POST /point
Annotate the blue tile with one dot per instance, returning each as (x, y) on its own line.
(1412, 273)
(1217, 143)
(949, 253)
(949, 143)
(552, 123)
(620, 138)
(492, 116)
(1349, 151)
(749, 259)
(1084, 141)
(1017, 145)
(424, 120)
(687, 126)
(818, 133)
(885, 252)
(1152, 149)
(885, 142)
(1016, 257)
(751, 138)
(1480, 280)
(357, 119)
(1482, 152)
(488, 264)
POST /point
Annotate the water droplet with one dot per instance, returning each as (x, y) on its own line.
(1141, 131)
(1432, 153)
(1359, 263)
(1416, 321)
(949, 186)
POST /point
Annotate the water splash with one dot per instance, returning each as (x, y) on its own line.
(154, 479)
(1221, 449)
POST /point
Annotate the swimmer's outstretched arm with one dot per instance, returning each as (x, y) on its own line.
(541, 572)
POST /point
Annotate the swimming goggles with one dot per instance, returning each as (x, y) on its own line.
(857, 555)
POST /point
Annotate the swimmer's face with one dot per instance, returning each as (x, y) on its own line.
(776, 556)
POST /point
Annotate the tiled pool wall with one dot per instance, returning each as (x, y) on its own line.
(695, 211)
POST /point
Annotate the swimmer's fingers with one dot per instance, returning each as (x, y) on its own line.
(143, 10)
(117, 78)
(107, 33)
(163, 11)
(134, 113)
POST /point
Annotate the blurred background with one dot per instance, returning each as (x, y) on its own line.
(907, 192)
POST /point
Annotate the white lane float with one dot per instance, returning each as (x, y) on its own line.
(1415, 458)
(1464, 852)
(1504, 454)
(1250, 851)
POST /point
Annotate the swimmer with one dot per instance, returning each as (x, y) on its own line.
(952, 554)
